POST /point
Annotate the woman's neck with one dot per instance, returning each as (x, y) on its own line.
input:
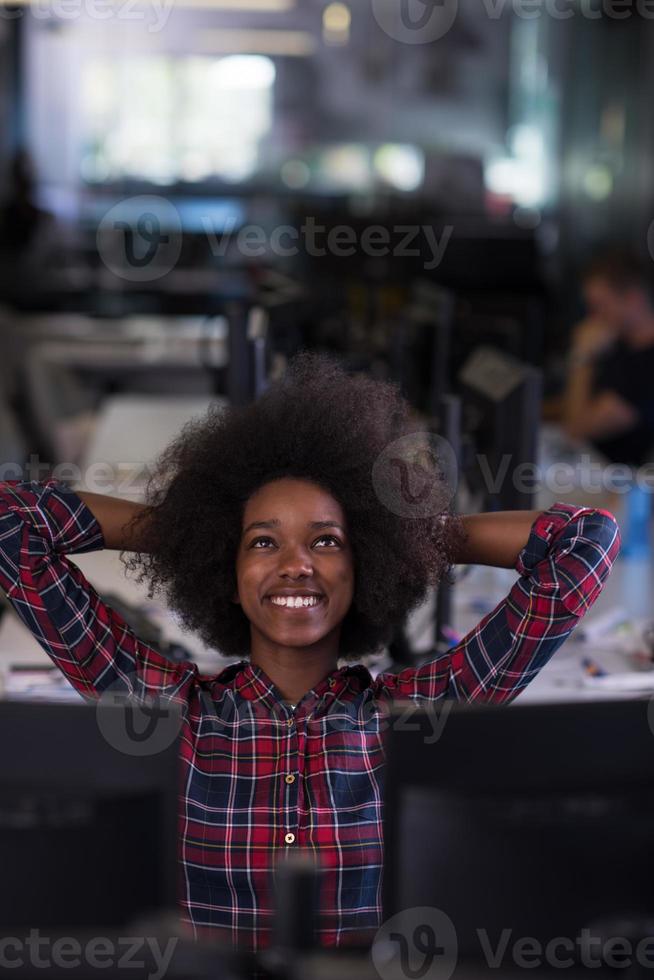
(294, 672)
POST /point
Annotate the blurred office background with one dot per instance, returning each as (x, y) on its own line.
(170, 174)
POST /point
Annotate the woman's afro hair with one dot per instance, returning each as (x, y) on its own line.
(319, 423)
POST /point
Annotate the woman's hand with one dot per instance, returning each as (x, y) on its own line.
(496, 539)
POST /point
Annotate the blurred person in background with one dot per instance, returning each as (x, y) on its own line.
(609, 394)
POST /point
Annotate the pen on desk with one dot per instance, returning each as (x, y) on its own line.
(591, 668)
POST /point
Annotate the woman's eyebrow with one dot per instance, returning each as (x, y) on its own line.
(311, 524)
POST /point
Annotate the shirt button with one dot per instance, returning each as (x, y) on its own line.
(290, 838)
(331, 681)
(290, 779)
(289, 722)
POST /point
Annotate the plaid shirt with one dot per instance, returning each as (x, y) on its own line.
(259, 779)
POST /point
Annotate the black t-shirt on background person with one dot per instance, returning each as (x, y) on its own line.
(630, 374)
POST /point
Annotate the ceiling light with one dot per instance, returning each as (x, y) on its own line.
(336, 20)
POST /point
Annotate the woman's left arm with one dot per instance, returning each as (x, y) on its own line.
(563, 556)
(496, 539)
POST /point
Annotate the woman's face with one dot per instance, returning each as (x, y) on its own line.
(294, 540)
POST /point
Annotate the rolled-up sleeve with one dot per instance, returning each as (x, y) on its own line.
(41, 523)
(563, 568)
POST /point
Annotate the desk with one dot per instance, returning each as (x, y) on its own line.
(629, 588)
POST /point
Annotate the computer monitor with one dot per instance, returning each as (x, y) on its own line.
(88, 815)
(501, 417)
(532, 822)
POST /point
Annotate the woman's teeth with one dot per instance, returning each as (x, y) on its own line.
(294, 602)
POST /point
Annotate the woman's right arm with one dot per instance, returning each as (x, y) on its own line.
(113, 514)
(41, 523)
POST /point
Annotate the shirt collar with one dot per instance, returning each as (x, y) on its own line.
(253, 684)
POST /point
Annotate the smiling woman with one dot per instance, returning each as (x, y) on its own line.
(281, 493)
(295, 584)
(274, 533)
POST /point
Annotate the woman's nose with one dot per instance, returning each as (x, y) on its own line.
(295, 559)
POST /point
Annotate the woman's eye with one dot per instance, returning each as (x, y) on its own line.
(325, 537)
(329, 537)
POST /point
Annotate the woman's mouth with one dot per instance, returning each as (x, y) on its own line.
(296, 603)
